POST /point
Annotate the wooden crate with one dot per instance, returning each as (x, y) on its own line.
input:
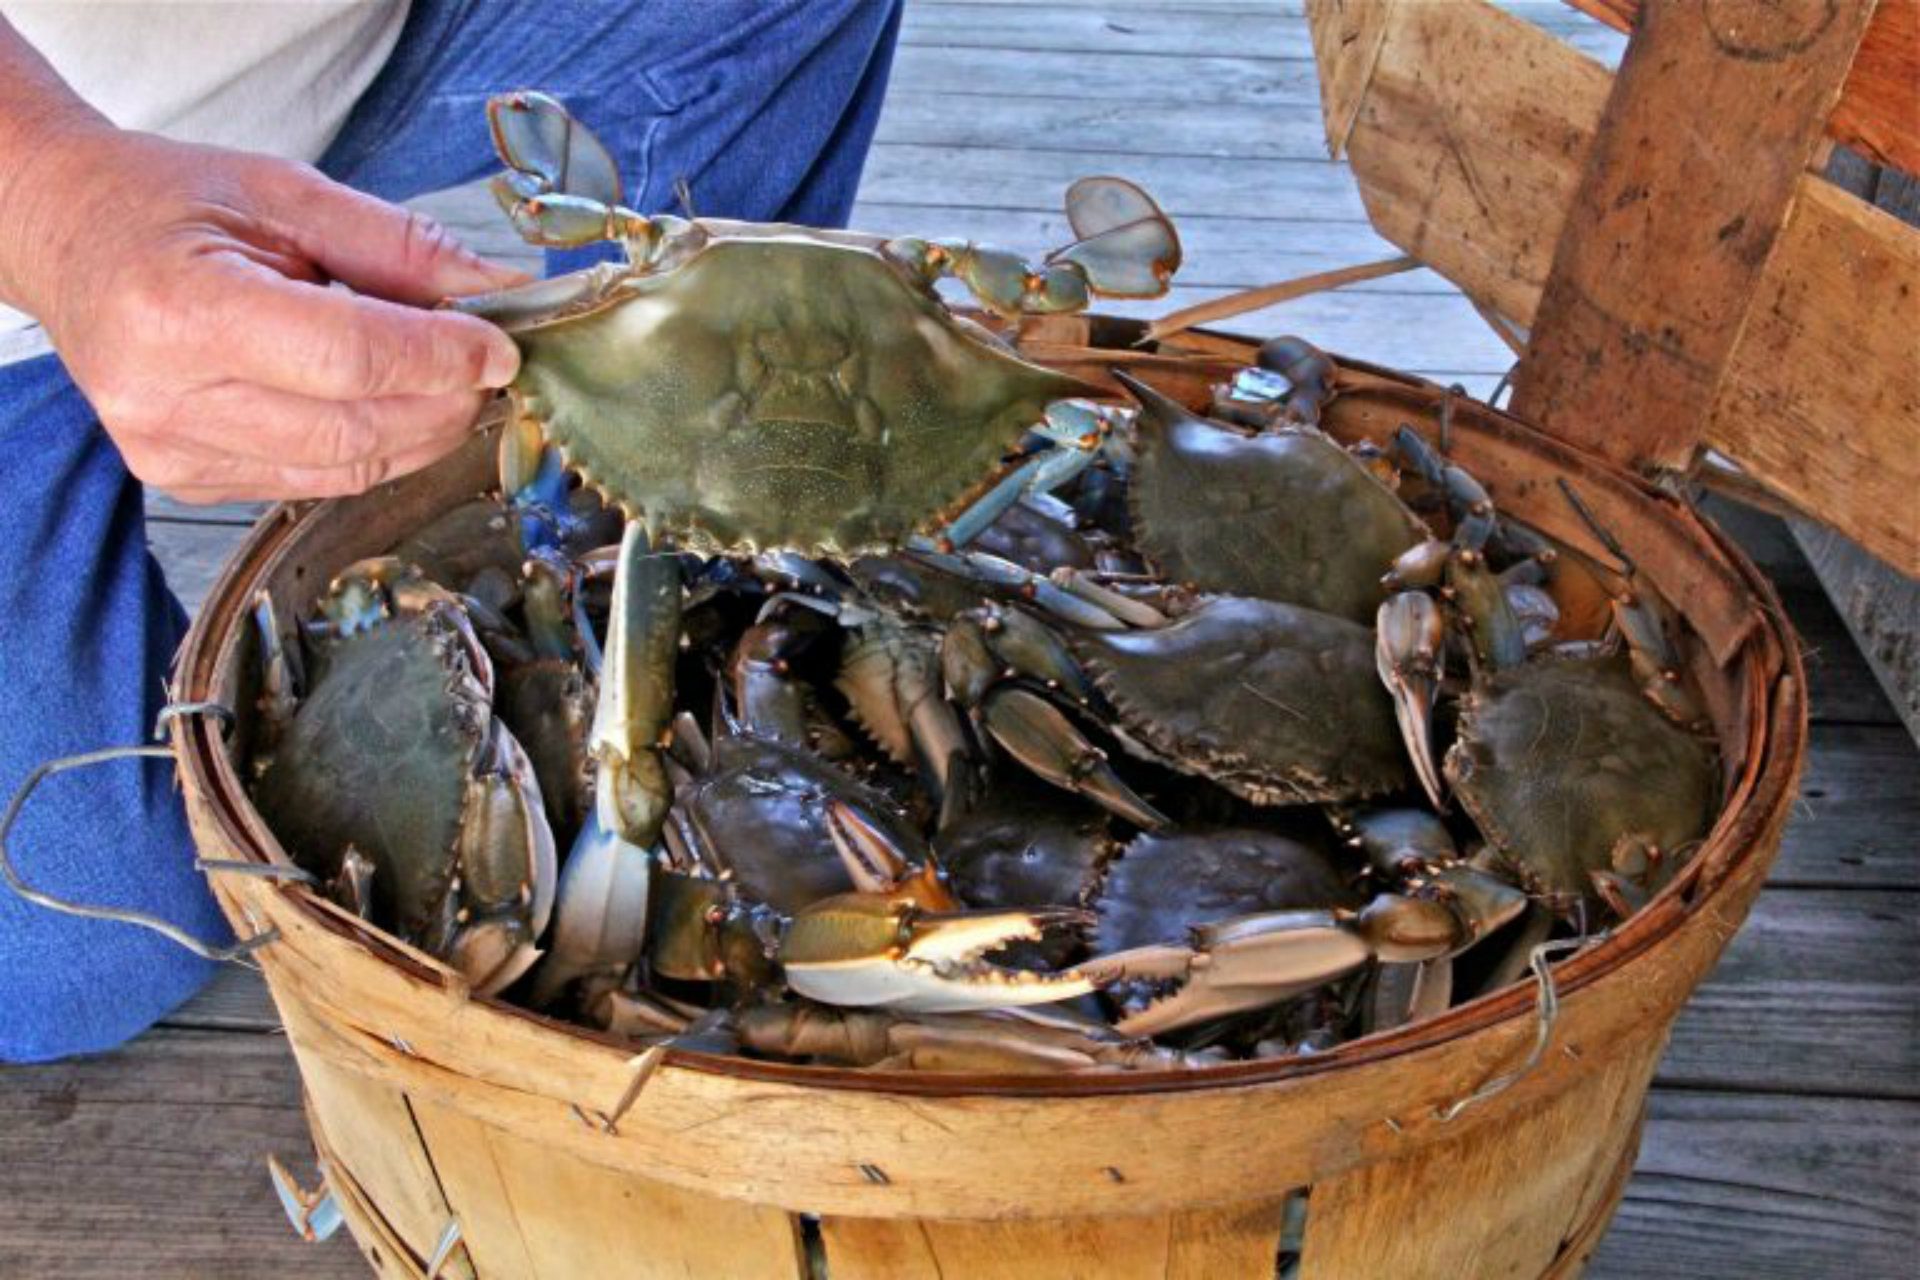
(1683, 309)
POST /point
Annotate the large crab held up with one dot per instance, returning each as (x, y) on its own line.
(743, 386)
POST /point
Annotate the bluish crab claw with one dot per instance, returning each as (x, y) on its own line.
(539, 139)
(314, 1215)
(1127, 247)
(880, 951)
(877, 864)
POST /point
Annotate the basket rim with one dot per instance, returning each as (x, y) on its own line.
(1756, 803)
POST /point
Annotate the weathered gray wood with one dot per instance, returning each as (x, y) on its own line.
(1763, 1186)
(236, 1000)
(1197, 186)
(1227, 130)
(152, 1161)
(161, 507)
(1171, 27)
(1859, 811)
(191, 555)
(1881, 608)
(1813, 996)
(1177, 80)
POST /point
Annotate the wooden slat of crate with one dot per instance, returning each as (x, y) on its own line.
(1470, 143)
(1879, 105)
(1710, 124)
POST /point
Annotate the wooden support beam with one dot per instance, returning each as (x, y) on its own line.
(1878, 113)
(1716, 112)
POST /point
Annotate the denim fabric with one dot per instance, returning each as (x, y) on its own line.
(763, 108)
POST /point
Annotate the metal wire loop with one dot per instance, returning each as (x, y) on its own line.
(175, 710)
(1547, 1008)
(87, 759)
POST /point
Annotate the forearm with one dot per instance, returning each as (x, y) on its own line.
(39, 116)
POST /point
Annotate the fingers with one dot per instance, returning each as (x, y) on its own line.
(376, 247)
(244, 480)
(329, 343)
(263, 424)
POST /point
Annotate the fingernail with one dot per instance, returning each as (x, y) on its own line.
(503, 362)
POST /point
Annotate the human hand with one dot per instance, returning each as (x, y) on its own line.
(185, 289)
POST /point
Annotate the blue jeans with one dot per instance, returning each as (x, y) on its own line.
(764, 108)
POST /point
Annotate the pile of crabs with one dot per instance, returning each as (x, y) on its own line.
(826, 682)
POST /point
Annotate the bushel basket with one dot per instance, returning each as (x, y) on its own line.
(1488, 1141)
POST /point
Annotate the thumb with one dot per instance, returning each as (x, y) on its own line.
(379, 248)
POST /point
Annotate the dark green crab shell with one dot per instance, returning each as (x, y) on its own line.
(378, 756)
(780, 391)
(1284, 515)
(1557, 761)
(1163, 886)
(1277, 703)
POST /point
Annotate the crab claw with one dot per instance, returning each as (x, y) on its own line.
(636, 691)
(548, 151)
(1409, 652)
(1034, 732)
(877, 864)
(600, 917)
(1127, 247)
(1233, 966)
(881, 951)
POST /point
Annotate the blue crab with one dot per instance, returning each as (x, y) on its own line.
(387, 771)
(742, 385)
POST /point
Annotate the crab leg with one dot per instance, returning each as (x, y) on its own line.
(507, 867)
(1410, 654)
(636, 691)
(1034, 732)
(1254, 961)
(1074, 432)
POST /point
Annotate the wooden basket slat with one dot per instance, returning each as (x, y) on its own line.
(1237, 1240)
(638, 1228)
(476, 1189)
(1879, 109)
(371, 1132)
(1525, 1182)
(1471, 135)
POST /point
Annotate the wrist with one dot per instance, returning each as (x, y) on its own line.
(43, 124)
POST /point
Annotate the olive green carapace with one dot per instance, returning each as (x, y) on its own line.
(1285, 515)
(1277, 703)
(378, 757)
(778, 392)
(1558, 761)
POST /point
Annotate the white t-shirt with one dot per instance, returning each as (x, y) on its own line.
(277, 76)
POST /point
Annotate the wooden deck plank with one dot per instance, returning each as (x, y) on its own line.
(1173, 28)
(152, 1161)
(1763, 1186)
